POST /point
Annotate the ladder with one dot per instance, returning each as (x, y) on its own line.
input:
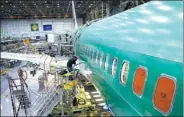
(18, 91)
(22, 97)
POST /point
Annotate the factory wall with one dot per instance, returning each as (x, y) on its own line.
(22, 27)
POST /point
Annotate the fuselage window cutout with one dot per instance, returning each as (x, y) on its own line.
(139, 80)
(124, 72)
(81, 48)
(85, 50)
(96, 57)
(92, 54)
(114, 66)
(164, 94)
(106, 62)
(89, 52)
(101, 58)
(78, 46)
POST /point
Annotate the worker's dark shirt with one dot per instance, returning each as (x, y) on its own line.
(71, 62)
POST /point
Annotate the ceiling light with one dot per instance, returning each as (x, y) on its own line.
(160, 19)
(180, 15)
(14, 6)
(165, 8)
(6, 1)
(157, 3)
(146, 11)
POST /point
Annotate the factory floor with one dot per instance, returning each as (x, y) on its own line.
(32, 82)
(35, 88)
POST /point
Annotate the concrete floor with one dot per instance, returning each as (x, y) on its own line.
(33, 84)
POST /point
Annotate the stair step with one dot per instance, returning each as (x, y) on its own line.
(22, 106)
(25, 102)
(20, 96)
(19, 92)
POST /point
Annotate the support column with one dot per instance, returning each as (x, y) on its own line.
(107, 9)
(74, 15)
(102, 9)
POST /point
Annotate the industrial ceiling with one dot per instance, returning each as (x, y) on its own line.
(48, 8)
(42, 8)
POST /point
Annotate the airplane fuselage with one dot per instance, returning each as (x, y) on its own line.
(134, 59)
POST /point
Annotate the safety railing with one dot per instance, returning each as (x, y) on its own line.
(46, 101)
(53, 99)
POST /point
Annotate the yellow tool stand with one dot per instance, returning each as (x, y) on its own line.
(27, 42)
(69, 86)
(82, 106)
(4, 71)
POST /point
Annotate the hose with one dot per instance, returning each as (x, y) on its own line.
(81, 101)
(21, 74)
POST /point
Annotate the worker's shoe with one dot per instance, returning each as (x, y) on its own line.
(70, 78)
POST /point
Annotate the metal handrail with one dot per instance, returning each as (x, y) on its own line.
(39, 102)
(52, 98)
(42, 97)
(42, 105)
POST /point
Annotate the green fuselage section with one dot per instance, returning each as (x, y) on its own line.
(154, 53)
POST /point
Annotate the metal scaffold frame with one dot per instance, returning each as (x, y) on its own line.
(20, 93)
(100, 11)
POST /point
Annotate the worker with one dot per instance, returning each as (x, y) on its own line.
(70, 63)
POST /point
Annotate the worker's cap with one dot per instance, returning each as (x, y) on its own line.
(76, 57)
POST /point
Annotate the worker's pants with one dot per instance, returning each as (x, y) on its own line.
(70, 69)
